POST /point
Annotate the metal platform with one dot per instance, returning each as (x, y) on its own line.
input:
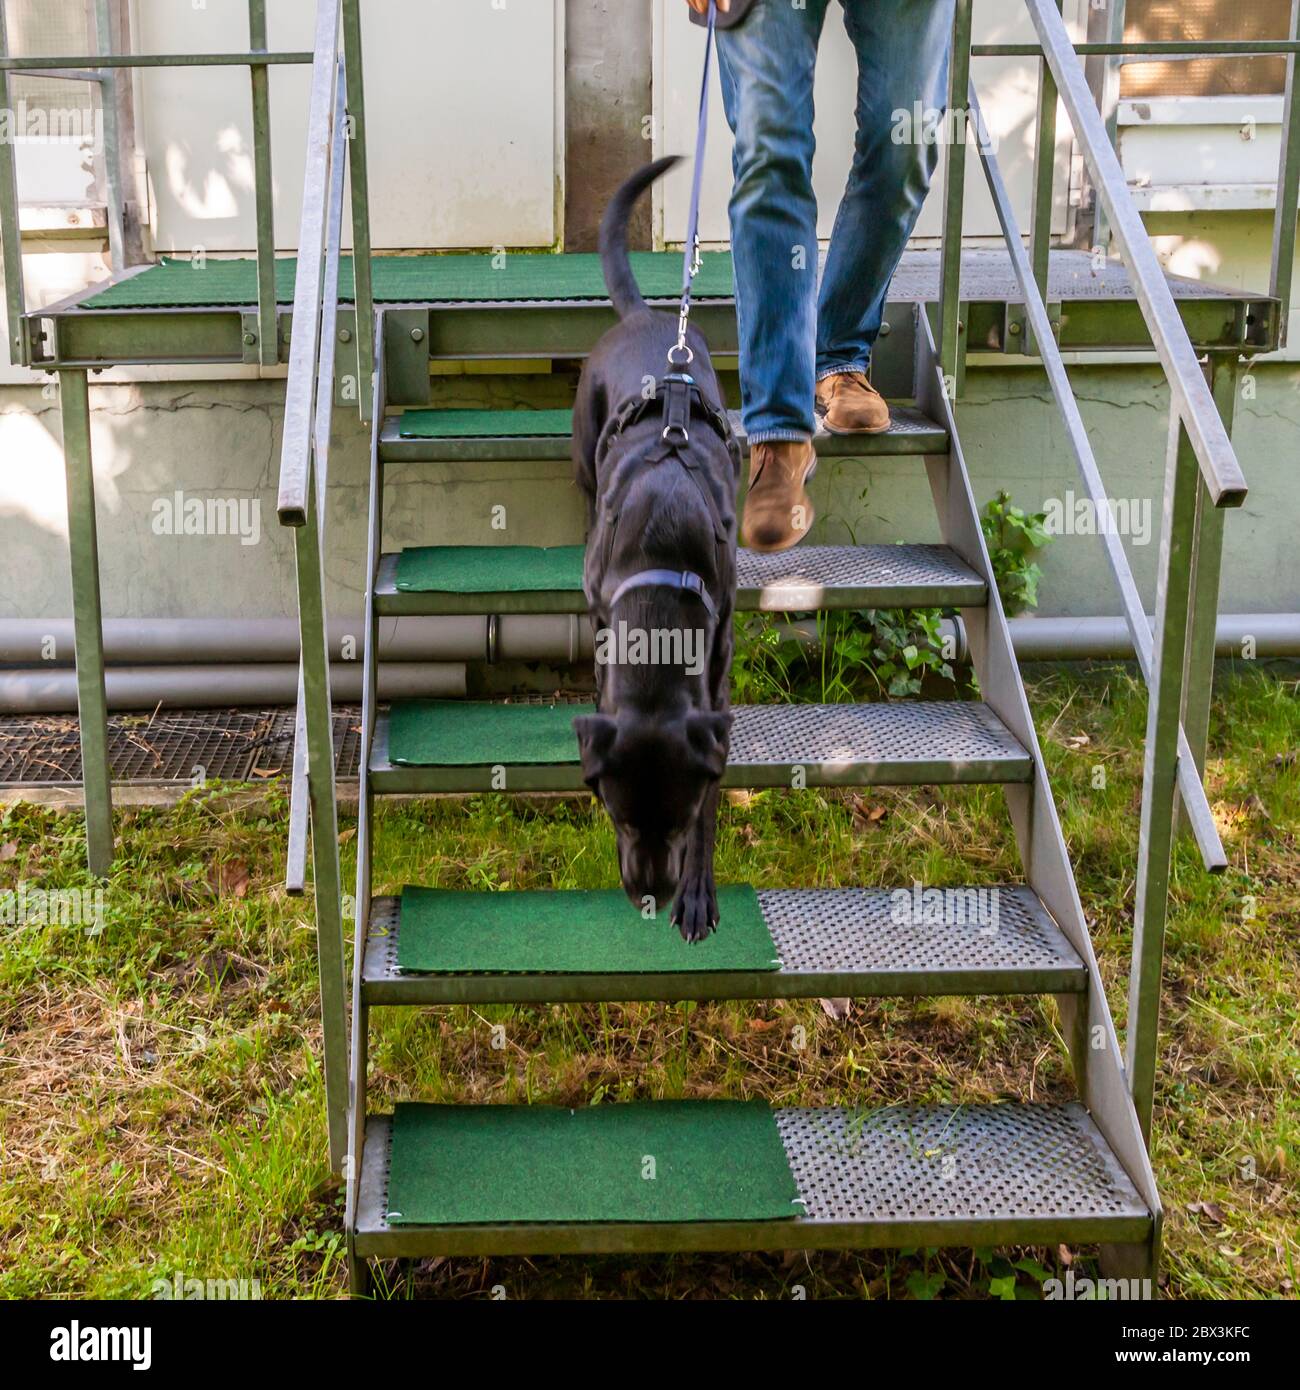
(852, 942)
(803, 580)
(1097, 310)
(909, 433)
(1005, 1174)
(782, 746)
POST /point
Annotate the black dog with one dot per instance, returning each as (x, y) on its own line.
(656, 458)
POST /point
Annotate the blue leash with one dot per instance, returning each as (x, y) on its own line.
(679, 355)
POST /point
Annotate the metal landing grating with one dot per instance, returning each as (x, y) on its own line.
(1001, 1174)
(858, 942)
(167, 747)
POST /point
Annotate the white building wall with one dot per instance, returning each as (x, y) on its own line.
(461, 107)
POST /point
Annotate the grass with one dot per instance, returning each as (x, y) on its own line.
(162, 1094)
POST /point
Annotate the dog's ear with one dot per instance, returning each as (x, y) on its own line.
(595, 739)
(708, 735)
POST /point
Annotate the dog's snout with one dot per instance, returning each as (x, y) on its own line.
(651, 873)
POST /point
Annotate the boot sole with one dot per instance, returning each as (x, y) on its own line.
(835, 429)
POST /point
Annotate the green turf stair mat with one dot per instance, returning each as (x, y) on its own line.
(526, 579)
(642, 1161)
(856, 942)
(503, 436)
(468, 733)
(507, 1180)
(485, 424)
(458, 278)
(593, 931)
(551, 574)
(466, 746)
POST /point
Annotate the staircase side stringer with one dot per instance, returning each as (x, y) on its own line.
(358, 1270)
(1095, 1052)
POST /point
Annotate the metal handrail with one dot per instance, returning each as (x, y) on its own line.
(1191, 394)
(304, 343)
(1200, 816)
(322, 421)
(99, 68)
(334, 148)
(1164, 48)
(38, 66)
(1202, 477)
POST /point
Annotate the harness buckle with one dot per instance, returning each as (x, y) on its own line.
(677, 389)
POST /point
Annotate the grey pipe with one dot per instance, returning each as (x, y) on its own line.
(1102, 639)
(47, 642)
(194, 687)
(253, 661)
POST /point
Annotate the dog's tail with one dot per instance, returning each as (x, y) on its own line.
(619, 280)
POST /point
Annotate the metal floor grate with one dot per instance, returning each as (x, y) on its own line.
(798, 579)
(167, 747)
(949, 730)
(953, 1162)
(998, 928)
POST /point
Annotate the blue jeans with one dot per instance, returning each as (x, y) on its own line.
(790, 335)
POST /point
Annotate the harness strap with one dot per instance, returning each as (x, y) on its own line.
(687, 581)
(682, 398)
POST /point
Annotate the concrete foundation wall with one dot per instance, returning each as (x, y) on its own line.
(217, 443)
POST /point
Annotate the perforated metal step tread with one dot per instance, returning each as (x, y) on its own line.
(800, 580)
(831, 941)
(464, 436)
(900, 744)
(999, 1174)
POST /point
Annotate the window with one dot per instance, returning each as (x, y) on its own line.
(1168, 20)
(37, 27)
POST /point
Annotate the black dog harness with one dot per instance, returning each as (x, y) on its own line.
(681, 400)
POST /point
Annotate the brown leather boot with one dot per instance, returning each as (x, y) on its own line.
(849, 404)
(778, 511)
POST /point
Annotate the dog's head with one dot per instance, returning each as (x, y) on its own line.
(652, 776)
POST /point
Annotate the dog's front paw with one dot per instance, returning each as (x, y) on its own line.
(695, 908)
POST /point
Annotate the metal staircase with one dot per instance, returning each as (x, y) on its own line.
(907, 1175)
(1007, 1173)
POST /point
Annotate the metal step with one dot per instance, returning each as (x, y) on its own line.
(858, 942)
(801, 580)
(900, 744)
(1003, 1174)
(910, 432)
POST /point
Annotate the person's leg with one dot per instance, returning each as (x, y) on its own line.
(902, 48)
(766, 64)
